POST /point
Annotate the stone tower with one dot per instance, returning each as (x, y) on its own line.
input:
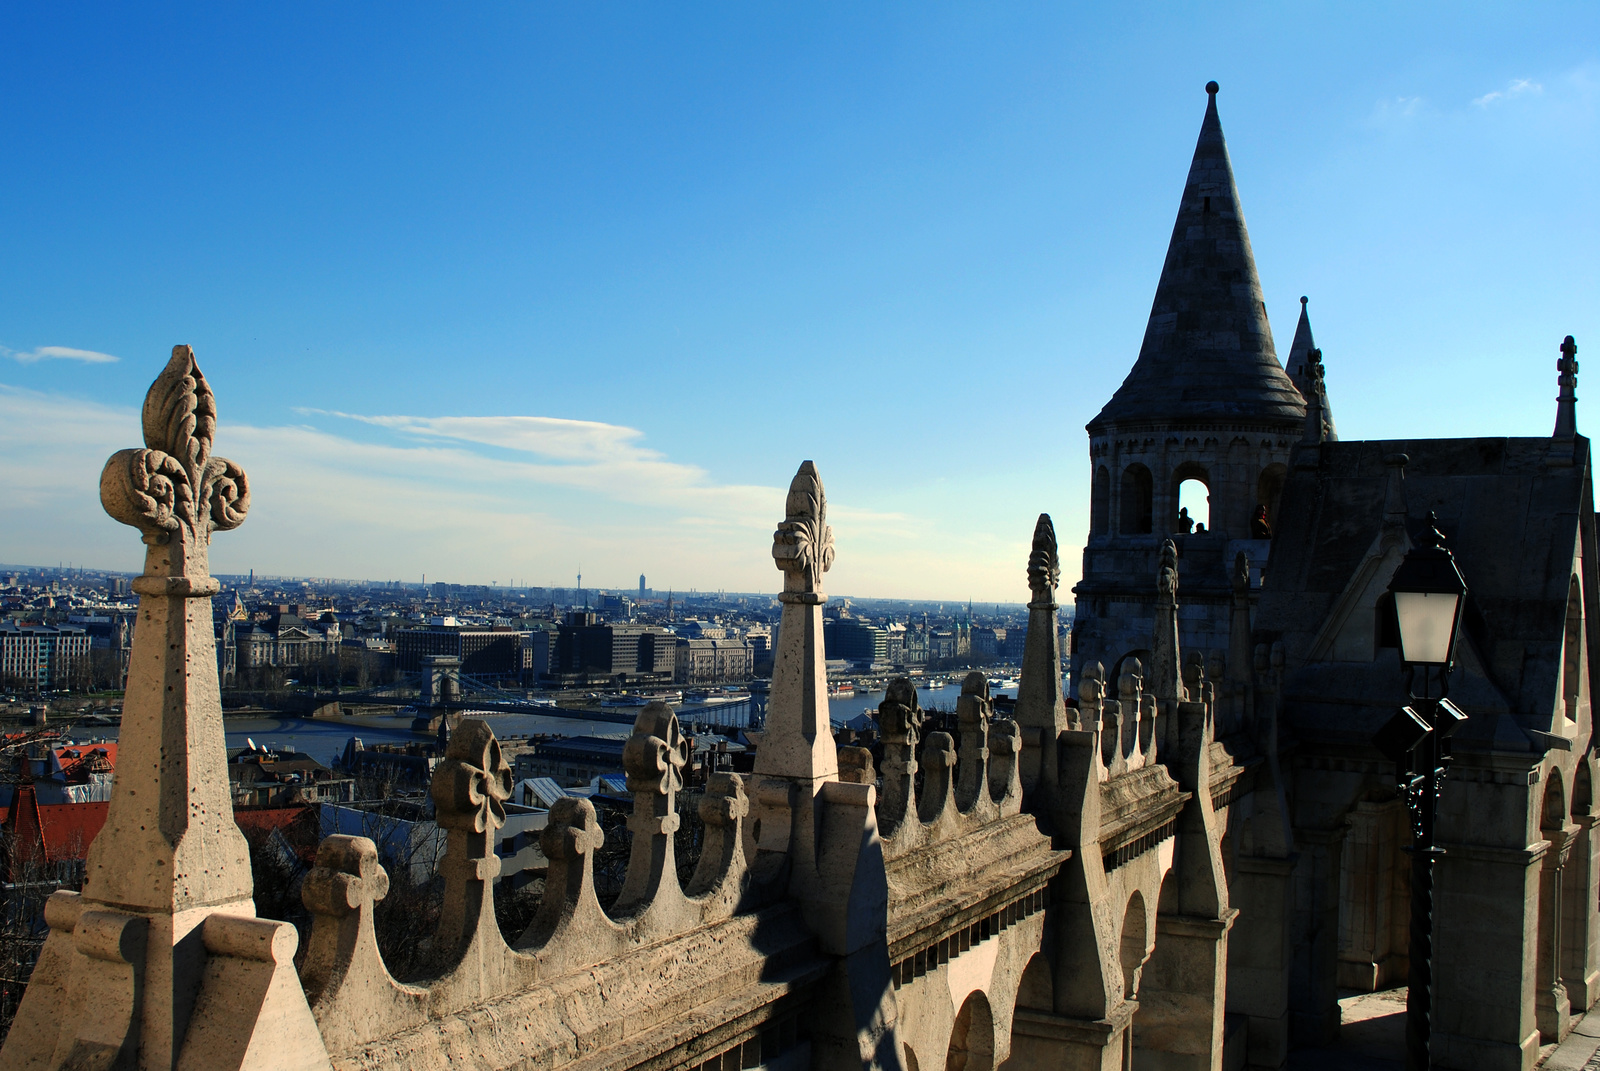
(1207, 400)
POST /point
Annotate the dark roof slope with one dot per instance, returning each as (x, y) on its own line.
(1512, 520)
(1208, 350)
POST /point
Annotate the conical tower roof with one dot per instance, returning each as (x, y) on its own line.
(1299, 350)
(1207, 352)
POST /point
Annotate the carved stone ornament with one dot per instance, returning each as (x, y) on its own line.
(803, 544)
(1167, 573)
(175, 486)
(1044, 564)
(899, 716)
(655, 755)
(471, 786)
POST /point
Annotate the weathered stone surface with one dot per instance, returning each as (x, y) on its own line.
(1207, 350)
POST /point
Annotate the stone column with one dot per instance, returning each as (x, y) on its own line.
(1580, 964)
(1260, 954)
(1553, 1008)
(1313, 982)
(1041, 707)
(168, 892)
(1485, 954)
(1183, 988)
(1087, 1026)
(819, 835)
(1369, 913)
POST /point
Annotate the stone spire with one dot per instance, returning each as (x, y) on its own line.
(166, 924)
(1317, 426)
(1567, 401)
(1208, 351)
(798, 741)
(1040, 702)
(1165, 680)
(1300, 372)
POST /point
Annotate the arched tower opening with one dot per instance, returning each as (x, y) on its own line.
(1191, 498)
(1100, 503)
(1132, 949)
(972, 1040)
(1138, 500)
(1269, 489)
(1206, 390)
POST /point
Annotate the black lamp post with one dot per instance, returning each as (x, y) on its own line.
(1426, 596)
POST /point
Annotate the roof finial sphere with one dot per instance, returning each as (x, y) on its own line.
(1212, 87)
(1302, 299)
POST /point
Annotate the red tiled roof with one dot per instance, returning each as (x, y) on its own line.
(68, 829)
(262, 819)
(79, 757)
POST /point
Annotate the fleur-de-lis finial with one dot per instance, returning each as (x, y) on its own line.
(803, 544)
(470, 787)
(174, 487)
(1044, 564)
(655, 755)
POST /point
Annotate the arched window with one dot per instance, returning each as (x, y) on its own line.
(1137, 505)
(1190, 501)
(1100, 502)
(1554, 815)
(1037, 988)
(1132, 948)
(1269, 489)
(972, 1040)
(1194, 505)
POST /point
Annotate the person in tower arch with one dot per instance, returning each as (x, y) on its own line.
(1185, 522)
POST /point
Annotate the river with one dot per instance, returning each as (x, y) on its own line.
(324, 739)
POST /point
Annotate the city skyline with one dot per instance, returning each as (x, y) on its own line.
(515, 292)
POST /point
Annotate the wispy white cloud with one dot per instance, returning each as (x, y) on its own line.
(581, 455)
(1397, 112)
(58, 353)
(474, 499)
(1518, 87)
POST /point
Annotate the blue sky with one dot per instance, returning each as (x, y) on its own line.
(499, 292)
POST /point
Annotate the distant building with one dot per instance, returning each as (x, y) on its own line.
(274, 779)
(573, 760)
(1015, 642)
(492, 652)
(853, 639)
(42, 657)
(390, 766)
(702, 630)
(988, 642)
(588, 651)
(713, 661)
(761, 641)
(538, 654)
(289, 636)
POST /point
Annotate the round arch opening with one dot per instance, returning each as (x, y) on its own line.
(972, 1040)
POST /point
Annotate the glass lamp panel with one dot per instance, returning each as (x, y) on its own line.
(1427, 621)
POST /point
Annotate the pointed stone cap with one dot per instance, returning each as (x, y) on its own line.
(1299, 368)
(1208, 351)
